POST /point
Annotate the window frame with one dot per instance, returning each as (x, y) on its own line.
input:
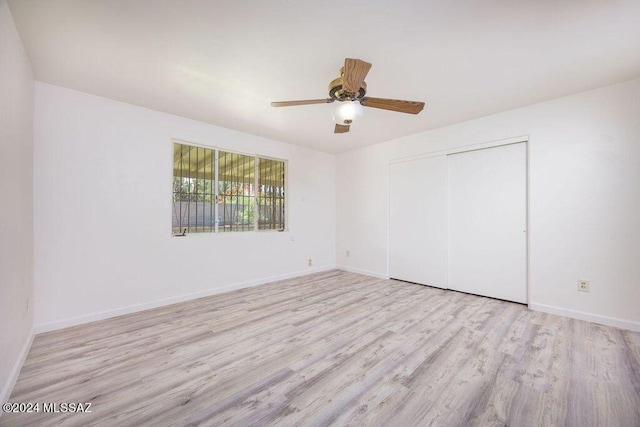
(257, 157)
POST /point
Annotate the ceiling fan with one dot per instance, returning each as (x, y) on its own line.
(350, 90)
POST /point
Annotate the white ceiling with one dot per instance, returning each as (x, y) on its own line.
(223, 62)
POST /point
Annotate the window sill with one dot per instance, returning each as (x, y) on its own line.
(242, 233)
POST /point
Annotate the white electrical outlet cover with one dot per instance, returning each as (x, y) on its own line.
(583, 285)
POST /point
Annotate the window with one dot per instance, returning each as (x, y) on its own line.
(217, 191)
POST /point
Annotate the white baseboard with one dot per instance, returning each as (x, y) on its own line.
(78, 320)
(15, 372)
(364, 272)
(589, 317)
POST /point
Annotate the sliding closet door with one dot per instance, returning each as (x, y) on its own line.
(418, 221)
(487, 222)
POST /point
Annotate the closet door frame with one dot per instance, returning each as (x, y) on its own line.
(463, 149)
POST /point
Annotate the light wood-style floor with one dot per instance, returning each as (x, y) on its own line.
(341, 349)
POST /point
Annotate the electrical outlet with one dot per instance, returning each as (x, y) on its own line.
(310, 262)
(348, 254)
(583, 285)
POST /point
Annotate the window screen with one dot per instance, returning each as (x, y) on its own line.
(271, 194)
(236, 186)
(193, 189)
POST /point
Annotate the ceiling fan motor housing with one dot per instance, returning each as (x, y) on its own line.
(336, 92)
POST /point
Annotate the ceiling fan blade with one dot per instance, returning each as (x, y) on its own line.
(304, 102)
(341, 128)
(355, 70)
(410, 107)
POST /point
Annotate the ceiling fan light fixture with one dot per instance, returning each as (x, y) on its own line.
(347, 112)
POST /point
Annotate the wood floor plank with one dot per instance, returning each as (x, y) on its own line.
(335, 348)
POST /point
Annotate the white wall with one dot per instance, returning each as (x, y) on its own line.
(16, 202)
(103, 244)
(584, 198)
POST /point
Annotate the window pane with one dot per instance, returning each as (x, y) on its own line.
(271, 194)
(236, 182)
(192, 180)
